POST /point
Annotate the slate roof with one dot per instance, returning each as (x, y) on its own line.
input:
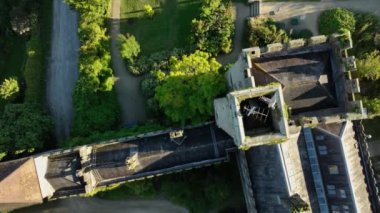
(18, 178)
(306, 77)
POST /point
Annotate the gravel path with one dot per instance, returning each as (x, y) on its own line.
(63, 68)
(242, 13)
(130, 98)
(308, 12)
(96, 205)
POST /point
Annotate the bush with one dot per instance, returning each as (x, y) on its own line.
(373, 106)
(95, 105)
(369, 66)
(333, 20)
(213, 30)
(148, 86)
(9, 88)
(129, 47)
(23, 127)
(265, 31)
(367, 28)
(149, 10)
(305, 34)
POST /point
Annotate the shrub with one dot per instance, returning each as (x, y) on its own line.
(305, 34)
(9, 88)
(369, 66)
(148, 86)
(373, 106)
(129, 47)
(23, 127)
(333, 20)
(213, 30)
(264, 31)
(149, 11)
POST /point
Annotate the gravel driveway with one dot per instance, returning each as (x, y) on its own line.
(308, 12)
(63, 67)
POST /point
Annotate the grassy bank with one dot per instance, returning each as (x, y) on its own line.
(170, 26)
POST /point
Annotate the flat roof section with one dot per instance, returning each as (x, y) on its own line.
(125, 160)
(19, 186)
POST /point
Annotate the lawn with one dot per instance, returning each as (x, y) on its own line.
(170, 26)
(12, 61)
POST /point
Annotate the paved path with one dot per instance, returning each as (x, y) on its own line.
(96, 205)
(242, 13)
(130, 98)
(309, 12)
(63, 68)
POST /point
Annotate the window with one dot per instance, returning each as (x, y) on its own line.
(335, 209)
(333, 169)
(322, 150)
(320, 137)
(342, 193)
(346, 209)
(331, 190)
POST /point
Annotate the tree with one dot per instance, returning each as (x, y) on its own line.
(213, 30)
(149, 10)
(373, 105)
(331, 21)
(264, 31)
(369, 66)
(366, 28)
(9, 88)
(129, 47)
(188, 91)
(23, 127)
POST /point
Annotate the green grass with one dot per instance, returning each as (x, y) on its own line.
(13, 61)
(170, 26)
(38, 47)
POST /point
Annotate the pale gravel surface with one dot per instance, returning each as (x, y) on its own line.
(63, 68)
(130, 98)
(96, 205)
(309, 12)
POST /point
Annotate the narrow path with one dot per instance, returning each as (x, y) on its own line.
(242, 13)
(130, 98)
(63, 67)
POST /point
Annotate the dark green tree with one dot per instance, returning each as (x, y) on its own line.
(333, 20)
(369, 66)
(23, 127)
(264, 31)
(213, 30)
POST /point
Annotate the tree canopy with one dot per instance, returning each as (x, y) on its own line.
(213, 30)
(23, 127)
(333, 20)
(129, 47)
(369, 66)
(264, 31)
(188, 91)
(9, 88)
